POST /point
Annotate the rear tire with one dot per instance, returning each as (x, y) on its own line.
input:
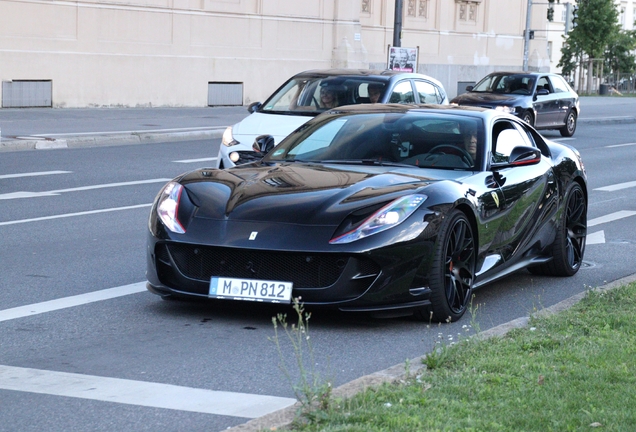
(569, 245)
(452, 271)
(570, 124)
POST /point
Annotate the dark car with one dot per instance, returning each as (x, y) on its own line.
(543, 100)
(307, 94)
(371, 208)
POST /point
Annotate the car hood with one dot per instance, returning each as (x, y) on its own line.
(277, 125)
(300, 193)
(486, 99)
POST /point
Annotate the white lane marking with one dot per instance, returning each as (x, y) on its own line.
(14, 195)
(621, 145)
(34, 174)
(611, 217)
(618, 186)
(67, 302)
(84, 213)
(139, 131)
(595, 238)
(195, 160)
(141, 393)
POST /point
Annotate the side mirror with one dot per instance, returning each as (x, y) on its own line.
(469, 88)
(524, 155)
(253, 107)
(263, 144)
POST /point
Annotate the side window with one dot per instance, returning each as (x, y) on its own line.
(506, 136)
(427, 92)
(402, 93)
(527, 138)
(559, 84)
(544, 84)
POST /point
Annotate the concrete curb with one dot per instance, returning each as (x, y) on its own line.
(608, 120)
(78, 141)
(283, 418)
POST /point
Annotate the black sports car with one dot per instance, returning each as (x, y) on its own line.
(395, 208)
(543, 100)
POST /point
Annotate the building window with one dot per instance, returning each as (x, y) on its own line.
(417, 8)
(550, 50)
(423, 8)
(468, 10)
(366, 6)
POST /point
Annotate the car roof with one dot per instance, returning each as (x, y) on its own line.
(381, 75)
(521, 73)
(405, 108)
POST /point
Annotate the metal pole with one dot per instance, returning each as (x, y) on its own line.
(526, 39)
(397, 24)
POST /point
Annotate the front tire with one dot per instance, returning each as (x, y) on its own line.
(452, 271)
(528, 118)
(569, 245)
(570, 125)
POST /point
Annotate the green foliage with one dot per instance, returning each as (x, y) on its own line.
(619, 57)
(596, 30)
(311, 390)
(573, 371)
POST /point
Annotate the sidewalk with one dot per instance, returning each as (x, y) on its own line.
(47, 128)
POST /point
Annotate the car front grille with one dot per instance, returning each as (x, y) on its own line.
(305, 270)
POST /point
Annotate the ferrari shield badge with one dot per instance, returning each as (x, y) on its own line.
(495, 197)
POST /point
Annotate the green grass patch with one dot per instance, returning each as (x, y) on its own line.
(574, 371)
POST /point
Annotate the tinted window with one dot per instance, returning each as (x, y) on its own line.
(559, 84)
(506, 136)
(428, 92)
(544, 84)
(402, 93)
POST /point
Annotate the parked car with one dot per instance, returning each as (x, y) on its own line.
(309, 93)
(371, 208)
(543, 100)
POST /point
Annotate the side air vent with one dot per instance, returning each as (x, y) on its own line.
(27, 94)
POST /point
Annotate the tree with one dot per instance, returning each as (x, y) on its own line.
(596, 29)
(619, 57)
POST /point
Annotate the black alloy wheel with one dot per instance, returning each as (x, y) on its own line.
(569, 246)
(452, 271)
(528, 118)
(570, 124)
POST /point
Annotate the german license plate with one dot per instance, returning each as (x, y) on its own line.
(250, 289)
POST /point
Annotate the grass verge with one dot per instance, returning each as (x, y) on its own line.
(572, 371)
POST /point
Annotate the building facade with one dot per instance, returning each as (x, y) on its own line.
(109, 53)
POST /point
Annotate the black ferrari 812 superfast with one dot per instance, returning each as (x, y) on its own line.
(376, 208)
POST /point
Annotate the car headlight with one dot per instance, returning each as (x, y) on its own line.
(168, 207)
(506, 109)
(387, 217)
(228, 139)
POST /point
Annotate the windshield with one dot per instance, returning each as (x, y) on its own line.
(506, 83)
(414, 139)
(315, 95)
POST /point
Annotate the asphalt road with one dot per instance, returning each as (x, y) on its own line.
(84, 347)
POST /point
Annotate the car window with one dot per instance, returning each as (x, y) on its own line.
(559, 84)
(427, 92)
(504, 83)
(321, 138)
(506, 136)
(544, 84)
(313, 95)
(420, 140)
(402, 93)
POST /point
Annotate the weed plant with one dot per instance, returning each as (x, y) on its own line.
(311, 390)
(574, 371)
